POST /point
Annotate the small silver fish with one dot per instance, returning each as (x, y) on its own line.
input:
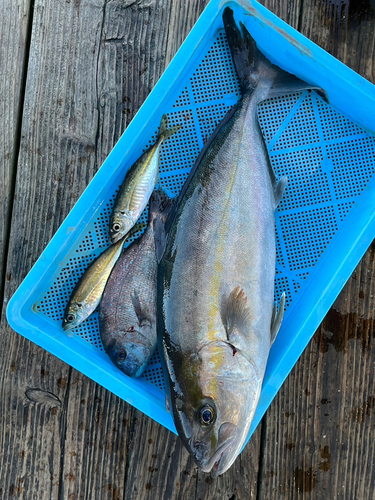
(87, 293)
(127, 317)
(216, 316)
(138, 185)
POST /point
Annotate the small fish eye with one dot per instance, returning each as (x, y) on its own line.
(70, 318)
(121, 355)
(116, 227)
(206, 415)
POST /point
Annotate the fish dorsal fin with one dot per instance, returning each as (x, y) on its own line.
(160, 204)
(280, 189)
(237, 313)
(277, 318)
(160, 238)
(160, 207)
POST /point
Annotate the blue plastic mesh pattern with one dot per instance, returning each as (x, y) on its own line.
(328, 160)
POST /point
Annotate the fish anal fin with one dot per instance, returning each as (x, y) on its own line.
(277, 319)
(237, 313)
(280, 189)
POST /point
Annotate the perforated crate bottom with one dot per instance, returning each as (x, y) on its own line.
(328, 160)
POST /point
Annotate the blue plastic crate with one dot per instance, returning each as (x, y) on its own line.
(324, 223)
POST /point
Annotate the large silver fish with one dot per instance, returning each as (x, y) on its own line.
(127, 317)
(138, 185)
(217, 317)
(88, 292)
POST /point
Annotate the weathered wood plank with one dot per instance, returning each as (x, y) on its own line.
(320, 428)
(56, 161)
(288, 10)
(160, 467)
(14, 24)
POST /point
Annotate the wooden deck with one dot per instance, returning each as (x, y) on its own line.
(73, 74)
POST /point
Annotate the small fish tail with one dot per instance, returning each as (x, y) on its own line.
(165, 132)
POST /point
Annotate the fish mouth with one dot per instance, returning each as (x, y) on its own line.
(116, 236)
(215, 461)
(67, 326)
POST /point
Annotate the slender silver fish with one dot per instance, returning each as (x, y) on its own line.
(216, 314)
(127, 318)
(138, 185)
(87, 293)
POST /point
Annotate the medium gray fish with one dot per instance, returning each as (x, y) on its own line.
(138, 185)
(127, 317)
(87, 293)
(216, 316)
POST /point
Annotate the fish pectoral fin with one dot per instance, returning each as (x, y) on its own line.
(237, 312)
(280, 189)
(277, 318)
(142, 316)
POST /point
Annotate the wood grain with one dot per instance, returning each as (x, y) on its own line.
(56, 161)
(319, 431)
(14, 24)
(320, 428)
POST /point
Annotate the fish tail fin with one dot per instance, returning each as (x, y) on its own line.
(243, 49)
(251, 64)
(165, 132)
(160, 207)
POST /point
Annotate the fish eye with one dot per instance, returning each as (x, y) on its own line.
(70, 318)
(116, 227)
(206, 415)
(121, 355)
